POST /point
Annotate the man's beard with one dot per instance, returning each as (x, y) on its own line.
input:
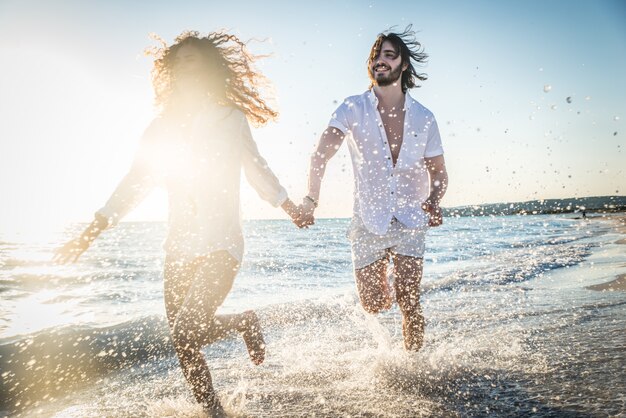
(386, 80)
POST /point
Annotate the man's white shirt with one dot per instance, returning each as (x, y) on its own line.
(383, 191)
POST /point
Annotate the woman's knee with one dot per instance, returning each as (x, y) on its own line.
(185, 335)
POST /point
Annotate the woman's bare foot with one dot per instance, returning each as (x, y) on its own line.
(413, 331)
(253, 337)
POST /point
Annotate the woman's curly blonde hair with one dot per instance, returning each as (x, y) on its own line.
(236, 82)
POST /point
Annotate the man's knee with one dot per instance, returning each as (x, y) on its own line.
(375, 303)
(373, 287)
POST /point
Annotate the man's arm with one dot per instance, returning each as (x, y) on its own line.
(438, 185)
(327, 147)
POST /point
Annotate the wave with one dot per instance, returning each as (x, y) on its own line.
(513, 266)
(59, 360)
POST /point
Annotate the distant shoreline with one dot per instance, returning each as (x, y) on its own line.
(597, 204)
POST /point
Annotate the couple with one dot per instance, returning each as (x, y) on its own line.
(196, 147)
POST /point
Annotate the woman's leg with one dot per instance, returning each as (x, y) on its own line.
(216, 327)
(193, 292)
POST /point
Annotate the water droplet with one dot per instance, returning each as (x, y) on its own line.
(616, 118)
(569, 99)
(615, 133)
(588, 98)
(553, 107)
(547, 88)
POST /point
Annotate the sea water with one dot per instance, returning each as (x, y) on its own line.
(512, 328)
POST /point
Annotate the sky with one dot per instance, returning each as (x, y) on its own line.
(530, 97)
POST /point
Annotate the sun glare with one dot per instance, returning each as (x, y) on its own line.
(37, 312)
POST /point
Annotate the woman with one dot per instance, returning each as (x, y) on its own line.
(195, 148)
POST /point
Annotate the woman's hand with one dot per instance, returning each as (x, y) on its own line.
(70, 252)
(307, 210)
(293, 211)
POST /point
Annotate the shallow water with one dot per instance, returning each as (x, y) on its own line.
(511, 328)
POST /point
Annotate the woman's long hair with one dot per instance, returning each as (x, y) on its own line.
(235, 81)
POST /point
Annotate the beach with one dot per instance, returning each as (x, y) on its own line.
(525, 316)
(619, 283)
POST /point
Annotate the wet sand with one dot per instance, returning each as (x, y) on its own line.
(619, 283)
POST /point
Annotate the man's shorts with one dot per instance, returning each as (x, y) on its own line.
(368, 247)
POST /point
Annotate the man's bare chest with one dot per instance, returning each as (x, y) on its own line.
(394, 128)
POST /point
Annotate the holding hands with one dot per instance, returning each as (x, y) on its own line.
(301, 215)
(307, 209)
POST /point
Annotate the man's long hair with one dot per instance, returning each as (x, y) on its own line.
(234, 79)
(411, 53)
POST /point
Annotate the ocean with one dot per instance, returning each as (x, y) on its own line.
(512, 327)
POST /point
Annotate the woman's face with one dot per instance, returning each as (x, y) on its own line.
(190, 69)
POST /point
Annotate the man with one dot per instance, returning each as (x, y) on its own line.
(400, 178)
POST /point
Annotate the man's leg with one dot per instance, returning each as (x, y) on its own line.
(373, 286)
(408, 276)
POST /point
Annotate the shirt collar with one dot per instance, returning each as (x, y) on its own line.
(408, 100)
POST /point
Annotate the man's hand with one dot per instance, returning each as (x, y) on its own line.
(433, 209)
(307, 209)
(295, 213)
(70, 252)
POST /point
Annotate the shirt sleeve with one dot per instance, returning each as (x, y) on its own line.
(433, 144)
(259, 175)
(340, 118)
(135, 185)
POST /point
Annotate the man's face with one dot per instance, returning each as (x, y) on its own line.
(386, 68)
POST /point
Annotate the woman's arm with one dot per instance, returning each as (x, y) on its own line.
(70, 252)
(262, 178)
(130, 191)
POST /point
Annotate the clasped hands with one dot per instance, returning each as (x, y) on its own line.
(302, 214)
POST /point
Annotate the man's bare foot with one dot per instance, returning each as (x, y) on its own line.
(413, 331)
(253, 337)
(213, 408)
